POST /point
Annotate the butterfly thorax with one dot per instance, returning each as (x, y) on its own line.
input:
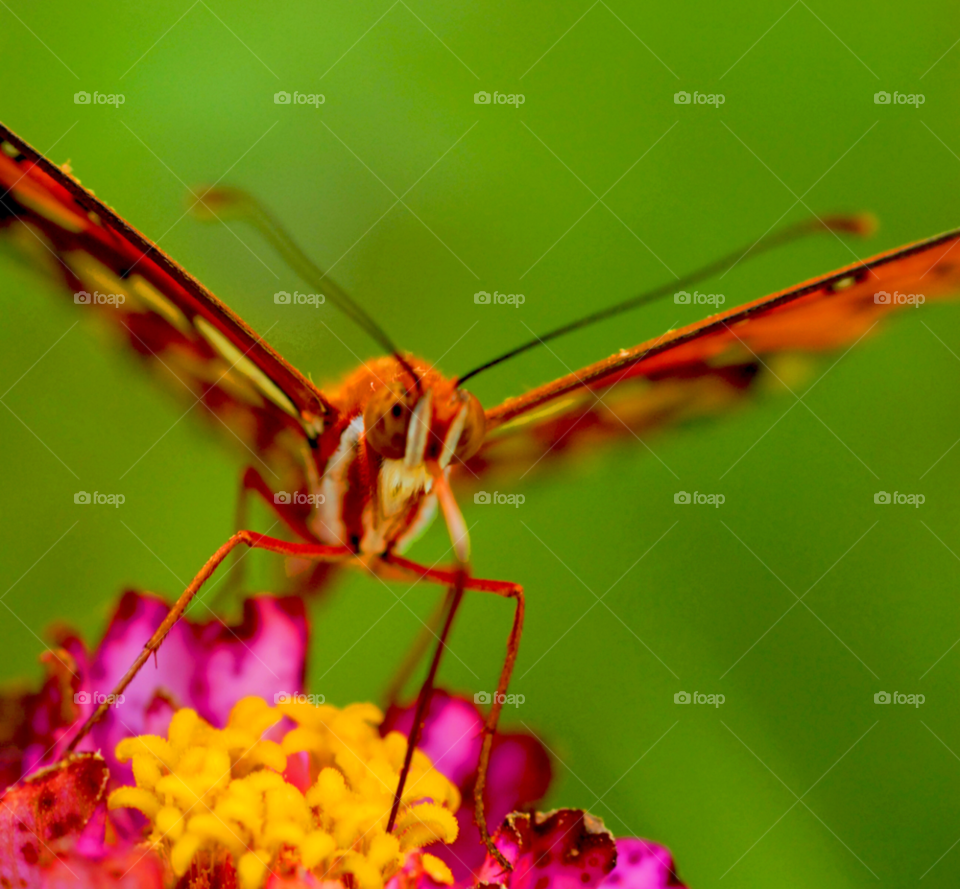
(378, 465)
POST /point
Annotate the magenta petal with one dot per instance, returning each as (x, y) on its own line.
(206, 666)
(519, 775)
(564, 849)
(451, 734)
(641, 865)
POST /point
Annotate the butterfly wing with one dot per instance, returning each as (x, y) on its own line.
(206, 352)
(709, 366)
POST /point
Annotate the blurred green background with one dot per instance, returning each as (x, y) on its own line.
(500, 198)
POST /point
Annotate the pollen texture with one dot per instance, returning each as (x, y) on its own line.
(220, 795)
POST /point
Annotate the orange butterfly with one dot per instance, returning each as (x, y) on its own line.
(357, 471)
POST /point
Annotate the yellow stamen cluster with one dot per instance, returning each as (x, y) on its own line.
(209, 791)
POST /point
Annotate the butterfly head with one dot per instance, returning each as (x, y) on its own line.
(430, 427)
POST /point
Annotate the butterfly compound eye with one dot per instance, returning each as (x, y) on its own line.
(474, 429)
(385, 421)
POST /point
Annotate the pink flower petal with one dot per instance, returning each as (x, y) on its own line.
(564, 849)
(43, 817)
(641, 865)
(207, 666)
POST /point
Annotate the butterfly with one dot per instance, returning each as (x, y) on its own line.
(357, 471)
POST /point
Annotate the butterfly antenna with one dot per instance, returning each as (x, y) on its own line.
(223, 202)
(861, 224)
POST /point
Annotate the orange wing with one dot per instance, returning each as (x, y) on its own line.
(164, 314)
(707, 367)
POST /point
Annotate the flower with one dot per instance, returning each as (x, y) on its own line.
(219, 798)
(571, 849)
(518, 776)
(206, 666)
(235, 792)
(537, 845)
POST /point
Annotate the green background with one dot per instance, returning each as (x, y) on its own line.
(718, 785)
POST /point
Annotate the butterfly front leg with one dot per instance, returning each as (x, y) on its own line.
(317, 551)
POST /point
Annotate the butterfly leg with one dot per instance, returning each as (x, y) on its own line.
(246, 538)
(252, 482)
(499, 588)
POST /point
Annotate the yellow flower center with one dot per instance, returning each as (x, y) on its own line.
(210, 792)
